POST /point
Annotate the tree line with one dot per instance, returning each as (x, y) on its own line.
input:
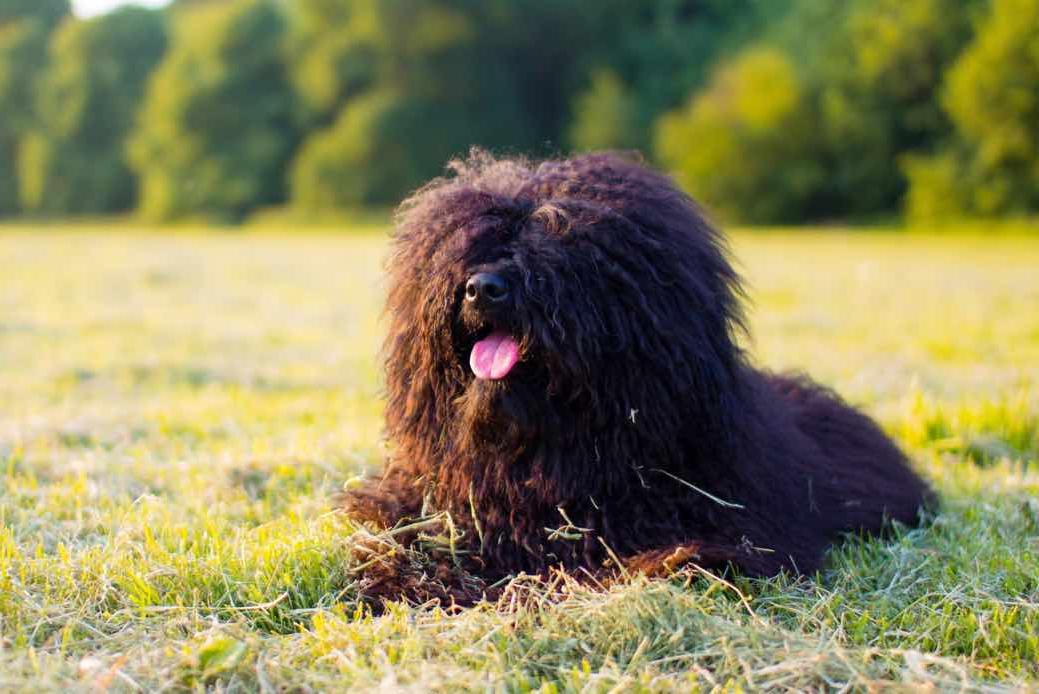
(768, 111)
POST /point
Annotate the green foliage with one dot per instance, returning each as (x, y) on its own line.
(869, 75)
(879, 84)
(24, 29)
(376, 150)
(333, 104)
(424, 81)
(333, 53)
(218, 126)
(606, 116)
(22, 43)
(744, 145)
(646, 58)
(74, 160)
(992, 96)
(8, 179)
(48, 12)
(938, 188)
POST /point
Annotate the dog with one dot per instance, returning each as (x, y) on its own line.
(564, 379)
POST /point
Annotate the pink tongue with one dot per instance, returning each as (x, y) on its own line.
(494, 356)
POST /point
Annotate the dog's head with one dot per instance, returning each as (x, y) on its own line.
(533, 304)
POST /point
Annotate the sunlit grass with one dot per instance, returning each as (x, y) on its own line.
(176, 410)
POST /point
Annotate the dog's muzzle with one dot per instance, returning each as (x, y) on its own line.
(486, 289)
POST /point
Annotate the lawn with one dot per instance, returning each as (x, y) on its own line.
(175, 411)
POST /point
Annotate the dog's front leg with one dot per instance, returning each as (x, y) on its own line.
(664, 561)
(385, 501)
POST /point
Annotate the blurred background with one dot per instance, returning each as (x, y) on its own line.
(768, 111)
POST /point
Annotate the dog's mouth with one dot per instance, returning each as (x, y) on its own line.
(492, 357)
(487, 346)
(486, 334)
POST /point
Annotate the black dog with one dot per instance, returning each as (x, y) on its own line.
(563, 378)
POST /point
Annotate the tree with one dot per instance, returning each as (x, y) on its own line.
(646, 58)
(74, 160)
(867, 84)
(333, 54)
(48, 12)
(879, 81)
(24, 28)
(217, 127)
(746, 145)
(992, 96)
(375, 152)
(606, 116)
(406, 84)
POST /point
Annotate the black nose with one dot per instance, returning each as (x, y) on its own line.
(486, 287)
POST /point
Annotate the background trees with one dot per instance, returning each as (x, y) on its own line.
(747, 143)
(649, 57)
(396, 87)
(824, 136)
(24, 28)
(218, 124)
(877, 84)
(992, 98)
(766, 110)
(74, 156)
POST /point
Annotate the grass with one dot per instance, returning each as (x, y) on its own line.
(176, 410)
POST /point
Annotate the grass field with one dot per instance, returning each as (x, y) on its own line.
(176, 410)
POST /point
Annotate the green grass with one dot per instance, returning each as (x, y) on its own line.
(176, 410)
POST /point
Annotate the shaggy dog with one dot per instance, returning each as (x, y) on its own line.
(564, 379)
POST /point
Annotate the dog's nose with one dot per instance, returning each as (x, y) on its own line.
(486, 287)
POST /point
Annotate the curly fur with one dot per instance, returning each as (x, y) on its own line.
(633, 425)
